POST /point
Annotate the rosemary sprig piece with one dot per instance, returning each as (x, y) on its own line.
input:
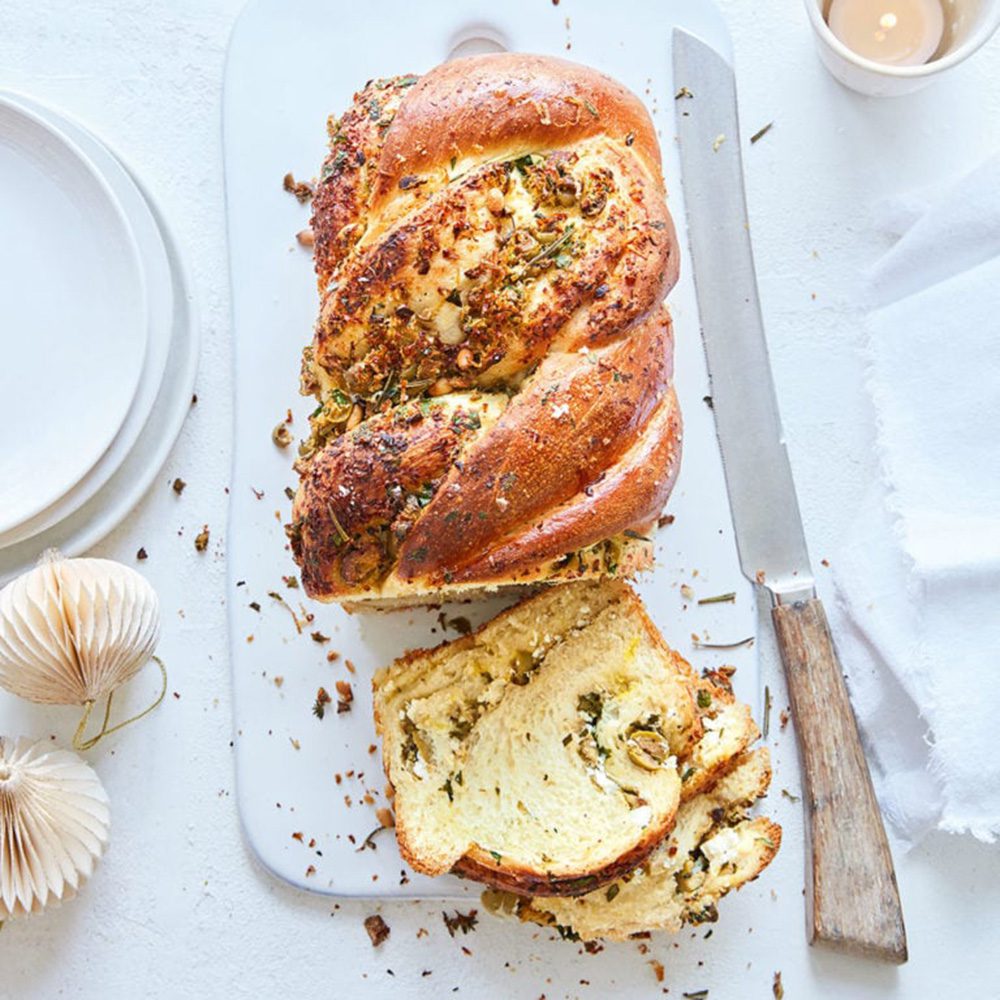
(379, 396)
(552, 249)
(274, 595)
(336, 523)
(748, 641)
(369, 841)
(719, 598)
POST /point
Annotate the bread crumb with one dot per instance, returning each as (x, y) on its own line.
(303, 190)
(378, 929)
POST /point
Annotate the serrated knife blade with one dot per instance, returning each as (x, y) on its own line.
(765, 509)
(852, 897)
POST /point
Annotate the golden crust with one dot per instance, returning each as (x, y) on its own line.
(483, 106)
(549, 456)
(479, 866)
(347, 535)
(496, 225)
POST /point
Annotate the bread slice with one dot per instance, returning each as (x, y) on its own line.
(543, 753)
(714, 847)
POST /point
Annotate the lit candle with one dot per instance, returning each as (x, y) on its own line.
(896, 32)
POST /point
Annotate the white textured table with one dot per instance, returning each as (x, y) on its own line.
(178, 907)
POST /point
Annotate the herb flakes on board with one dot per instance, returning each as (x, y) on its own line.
(463, 922)
(322, 700)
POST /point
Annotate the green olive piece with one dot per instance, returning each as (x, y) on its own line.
(647, 749)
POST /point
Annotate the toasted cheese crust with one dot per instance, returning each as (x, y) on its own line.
(498, 226)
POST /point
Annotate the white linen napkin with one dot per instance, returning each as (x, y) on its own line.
(919, 576)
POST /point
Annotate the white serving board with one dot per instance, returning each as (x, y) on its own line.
(291, 65)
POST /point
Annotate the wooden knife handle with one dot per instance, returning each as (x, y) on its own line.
(853, 904)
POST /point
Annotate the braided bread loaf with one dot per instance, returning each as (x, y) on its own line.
(493, 360)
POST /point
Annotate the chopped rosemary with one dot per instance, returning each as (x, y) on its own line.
(760, 133)
(275, 596)
(463, 922)
(748, 641)
(369, 841)
(767, 711)
(336, 523)
(553, 248)
(719, 598)
(322, 700)
(629, 533)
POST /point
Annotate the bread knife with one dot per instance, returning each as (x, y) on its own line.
(852, 900)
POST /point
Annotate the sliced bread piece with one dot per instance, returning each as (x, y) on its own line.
(713, 848)
(543, 753)
(727, 730)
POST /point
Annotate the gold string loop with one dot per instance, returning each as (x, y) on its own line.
(81, 744)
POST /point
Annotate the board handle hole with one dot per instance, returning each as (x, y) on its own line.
(477, 40)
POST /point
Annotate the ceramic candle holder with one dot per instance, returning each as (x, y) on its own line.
(968, 25)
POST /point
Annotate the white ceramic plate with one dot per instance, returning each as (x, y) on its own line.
(280, 86)
(100, 501)
(72, 314)
(159, 320)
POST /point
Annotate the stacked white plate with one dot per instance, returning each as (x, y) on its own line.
(98, 339)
